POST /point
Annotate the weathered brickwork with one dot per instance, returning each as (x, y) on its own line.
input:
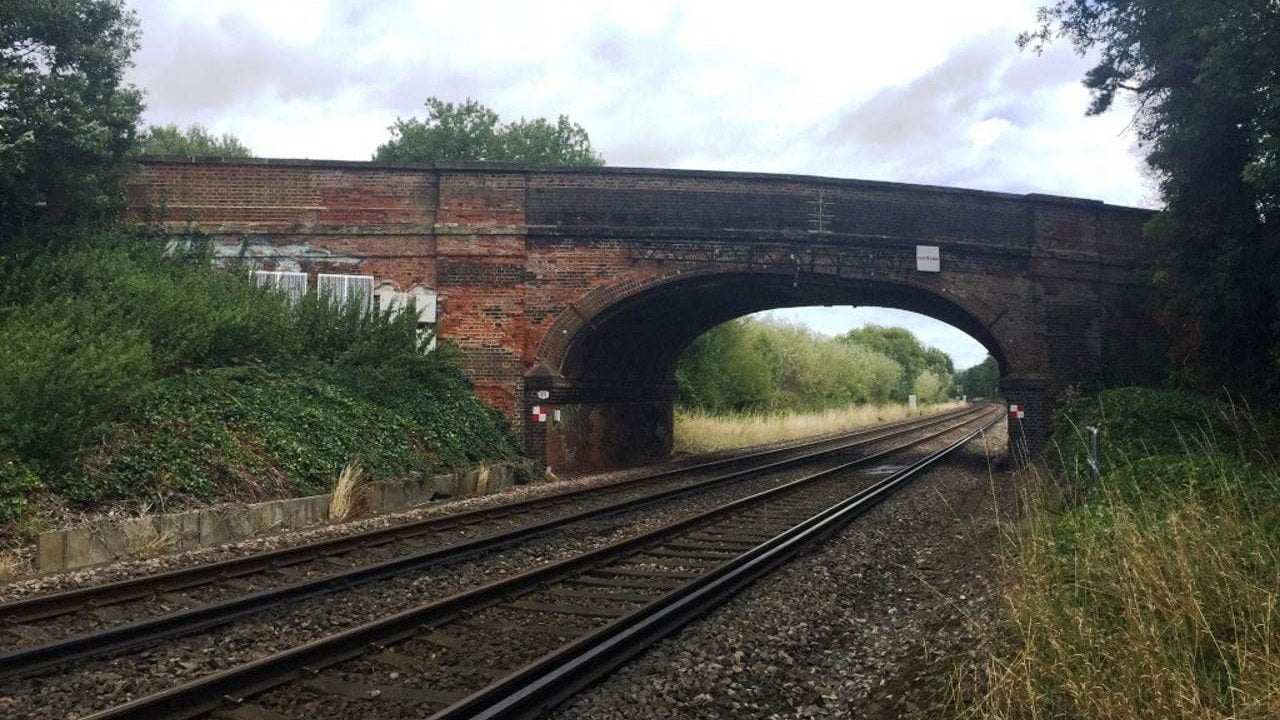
(576, 289)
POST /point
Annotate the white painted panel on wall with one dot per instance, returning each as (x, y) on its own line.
(292, 284)
(346, 288)
(387, 297)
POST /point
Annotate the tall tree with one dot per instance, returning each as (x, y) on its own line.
(68, 122)
(471, 131)
(1206, 83)
(194, 141)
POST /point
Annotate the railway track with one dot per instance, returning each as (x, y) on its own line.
(514, 647)
(117, 616)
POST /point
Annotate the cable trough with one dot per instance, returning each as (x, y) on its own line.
(515, 647)
(244, 586)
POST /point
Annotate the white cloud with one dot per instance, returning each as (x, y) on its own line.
(984, 133)
(708, 84)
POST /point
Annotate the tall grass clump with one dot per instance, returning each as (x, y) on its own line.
(1155, 594)
(346, 500)
(697, 431)
(136, 369)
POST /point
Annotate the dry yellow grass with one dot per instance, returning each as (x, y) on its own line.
(158, 543)
(700, 432)
(346, 501)
(1163, 610)
(10, 565)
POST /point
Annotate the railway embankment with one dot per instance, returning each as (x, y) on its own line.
(142, 378)
(1152, 589)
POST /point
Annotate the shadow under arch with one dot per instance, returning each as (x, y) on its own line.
(611, 359)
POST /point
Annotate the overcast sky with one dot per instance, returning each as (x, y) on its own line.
(923, 92)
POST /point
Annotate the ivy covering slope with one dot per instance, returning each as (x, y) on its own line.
(142, 375)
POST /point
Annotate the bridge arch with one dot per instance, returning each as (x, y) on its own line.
(609, 360)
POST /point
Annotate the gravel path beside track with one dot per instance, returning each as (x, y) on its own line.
(866, 626)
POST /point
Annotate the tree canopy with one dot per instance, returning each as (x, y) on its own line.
(68, 122)
(755, 365)
(1203, 76)
(471, 131)
(904, 348)
(981, 380)
(194, 141)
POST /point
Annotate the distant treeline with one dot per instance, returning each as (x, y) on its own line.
(759, 365)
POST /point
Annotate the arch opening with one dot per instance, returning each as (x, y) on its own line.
(614, 373)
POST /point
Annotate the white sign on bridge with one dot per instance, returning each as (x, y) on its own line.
(928, 258)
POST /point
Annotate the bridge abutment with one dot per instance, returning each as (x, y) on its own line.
(592, 437)
(1029, 416)
(586, 427)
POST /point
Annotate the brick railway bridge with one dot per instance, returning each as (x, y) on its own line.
(577, 289)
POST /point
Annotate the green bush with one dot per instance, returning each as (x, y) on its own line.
(67, 372)
(1138, 422)
(17, 481)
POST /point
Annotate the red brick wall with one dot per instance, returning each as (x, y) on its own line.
(261, 193)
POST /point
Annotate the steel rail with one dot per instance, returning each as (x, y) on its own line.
(549, 681)
(215, 691)
(28, 660)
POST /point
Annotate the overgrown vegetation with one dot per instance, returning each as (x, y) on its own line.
(1156, 596)
(139, 374)
(759, 366)
(1155, 593)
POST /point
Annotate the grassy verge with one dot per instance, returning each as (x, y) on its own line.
(1156, 593)
(703, 432)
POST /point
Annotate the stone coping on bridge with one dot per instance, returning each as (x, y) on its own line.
(113, 539)
(626, 170)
